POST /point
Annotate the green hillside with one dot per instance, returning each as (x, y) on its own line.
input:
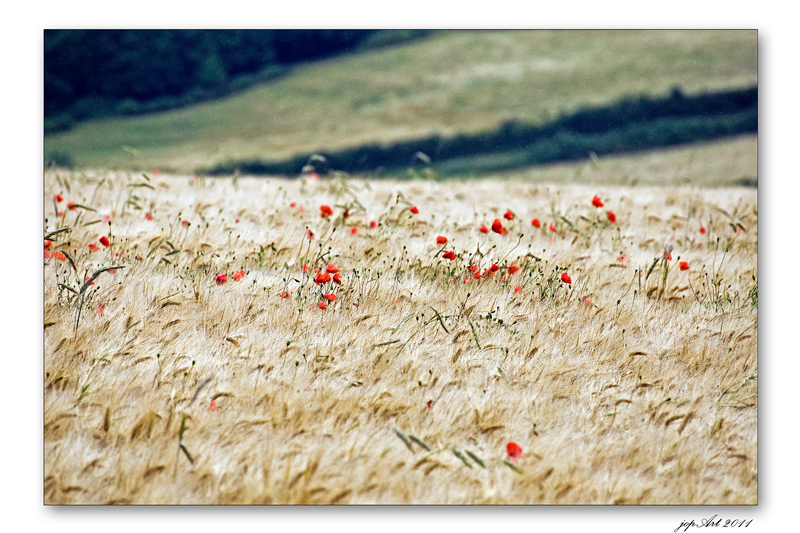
(450, 84)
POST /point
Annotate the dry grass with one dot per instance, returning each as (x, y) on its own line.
(641, 396)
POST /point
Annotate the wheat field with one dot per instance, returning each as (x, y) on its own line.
(623, 377)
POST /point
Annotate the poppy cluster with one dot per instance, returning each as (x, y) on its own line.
(331, 273)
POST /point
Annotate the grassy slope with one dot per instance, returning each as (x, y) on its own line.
(714, 164)
(456, 82)
(581, 386)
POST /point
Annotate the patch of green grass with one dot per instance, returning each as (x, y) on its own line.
(455, 82)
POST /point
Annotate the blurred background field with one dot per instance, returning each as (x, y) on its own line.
(384, 88)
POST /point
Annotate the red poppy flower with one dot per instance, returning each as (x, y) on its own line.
(221, 278)
(429, 404)
(185, 223)
(322, 305)
(238, 275)
(536, 223)
(597, 202)
(514, 451)
(472, 268)
(565, 278)
(237, 220)
(92, 246)
(552, 228)
(322, 277)
(107, 218)
(622, 258)
(48, 244)
(148, 216)
(477, 275)
(414, 210)
(60, 256)
(441, 241)
(47, 254)
(87, 279)
(99, 310)
(508, 215)
(483, 229)
(337, 278)
(517, 289)
(314, 176)
(292, 204)
(284, 294)
(497, 227)
(331, 269)
(494, 268)
(310, 235)
(61, 213)
(702, 229)
(611, 216)
(684, 265)
(667, 256)
(326, 210)
(373, 224)
(353, 230)
(513, 269)
(59, 198)
(451, 255)
(213, 406)
(330, 297)
(104, 241)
